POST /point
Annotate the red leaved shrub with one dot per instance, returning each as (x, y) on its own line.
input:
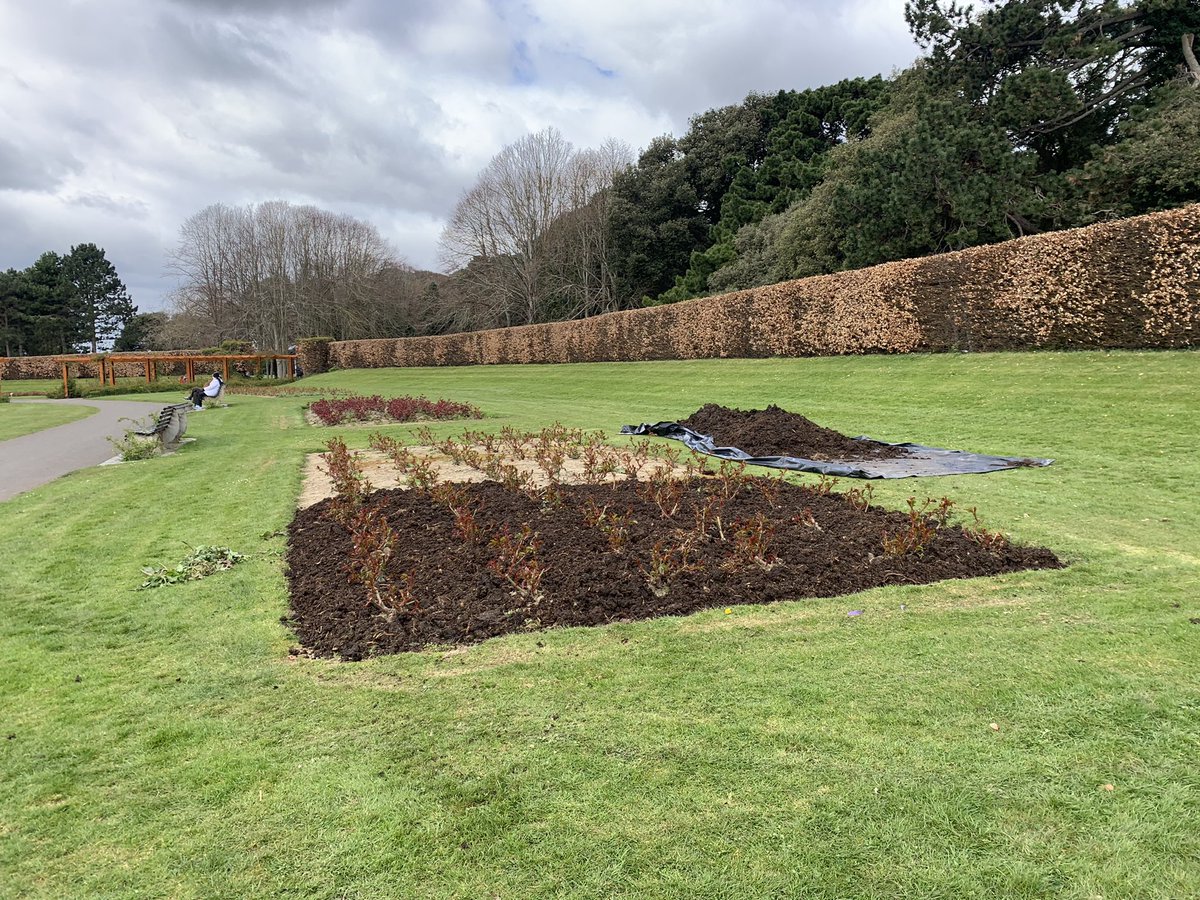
(398, 409)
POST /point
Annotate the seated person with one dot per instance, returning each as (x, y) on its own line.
(212, 389)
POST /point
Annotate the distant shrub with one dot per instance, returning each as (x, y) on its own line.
(398, 409)
(229, 348)
(56, 392)
(132, 446)
(283, 387)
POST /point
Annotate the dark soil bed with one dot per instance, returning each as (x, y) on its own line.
(808, 544)
(777, 432)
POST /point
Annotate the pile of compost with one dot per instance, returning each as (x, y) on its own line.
(777, 432)
(778, 439)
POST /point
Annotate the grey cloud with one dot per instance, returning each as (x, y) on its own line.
(125, 207)
(26, 232)
(382, 171)
(258, 7)
(31, 170)
(405, 20)
(691, 65)
(339, 154)
(216, 51)
(18, 248)
(415, 32)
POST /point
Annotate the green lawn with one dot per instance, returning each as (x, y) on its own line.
(42, 385)
(32, 385)
(162, 743)
(17, 419)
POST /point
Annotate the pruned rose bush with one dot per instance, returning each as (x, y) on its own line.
(335, 410)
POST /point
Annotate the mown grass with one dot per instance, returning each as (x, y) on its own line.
(42, 386)
(163, 743)
(32, 385)
(17, 419)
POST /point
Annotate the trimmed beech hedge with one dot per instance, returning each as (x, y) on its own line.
(1133, 283)
(312, 354)
(20, 367)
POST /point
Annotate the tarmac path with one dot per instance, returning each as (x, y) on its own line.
(32, 460)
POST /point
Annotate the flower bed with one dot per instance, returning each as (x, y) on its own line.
(386, 571)
(397, 409)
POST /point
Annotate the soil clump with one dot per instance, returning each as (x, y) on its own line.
(777, 432)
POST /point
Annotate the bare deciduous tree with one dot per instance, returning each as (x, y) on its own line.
(527, 242)
(579, 268)
(274, 272)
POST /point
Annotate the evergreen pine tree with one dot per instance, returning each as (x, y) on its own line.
(100, 304)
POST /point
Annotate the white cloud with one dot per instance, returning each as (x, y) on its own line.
(120, 120)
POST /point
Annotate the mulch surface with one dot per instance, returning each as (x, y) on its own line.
(586, 583)
(777, 432)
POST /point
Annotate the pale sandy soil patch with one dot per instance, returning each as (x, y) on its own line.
(382, 472)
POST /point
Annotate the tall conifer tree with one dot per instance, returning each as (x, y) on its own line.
(100, 305)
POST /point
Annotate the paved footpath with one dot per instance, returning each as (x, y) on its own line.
(32, 460)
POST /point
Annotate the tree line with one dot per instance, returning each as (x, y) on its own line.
(63, 304)
(272, 272)
(1021, 116)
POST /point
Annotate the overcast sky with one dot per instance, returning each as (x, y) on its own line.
(119, 119)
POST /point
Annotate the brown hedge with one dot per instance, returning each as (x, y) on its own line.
(312, 354)
(84, 366)
(1133, 283)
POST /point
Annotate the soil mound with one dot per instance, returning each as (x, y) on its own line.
(615, 552)
(777, 432)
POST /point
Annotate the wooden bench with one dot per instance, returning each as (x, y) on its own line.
(170, 426)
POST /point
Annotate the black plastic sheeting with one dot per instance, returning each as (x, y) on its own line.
(920, 461)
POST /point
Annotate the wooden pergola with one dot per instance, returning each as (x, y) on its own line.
(107, 365)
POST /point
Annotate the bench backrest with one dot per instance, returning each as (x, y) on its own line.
(172, 423)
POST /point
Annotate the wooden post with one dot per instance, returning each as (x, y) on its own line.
(190, 370)
(291, 367)
(226, 361)
(66, 390)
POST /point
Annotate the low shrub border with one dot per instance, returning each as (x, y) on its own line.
(397, 409)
